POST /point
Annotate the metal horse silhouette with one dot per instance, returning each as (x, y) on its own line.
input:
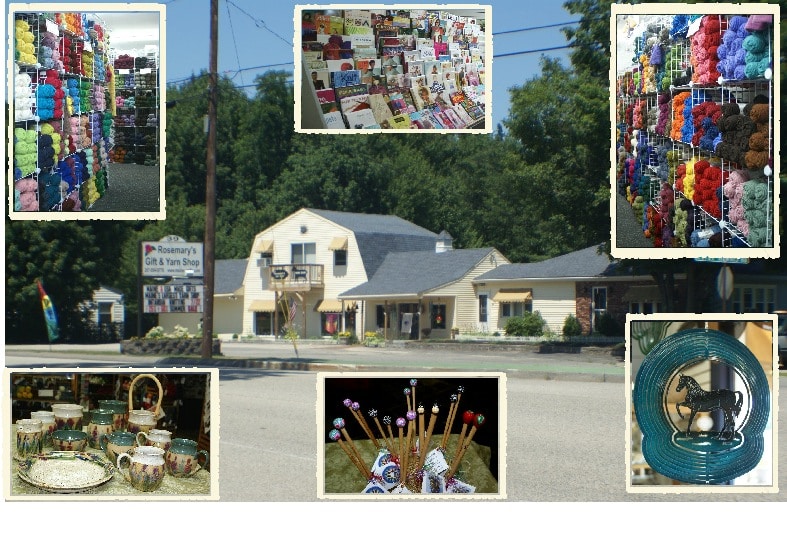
(699, 400)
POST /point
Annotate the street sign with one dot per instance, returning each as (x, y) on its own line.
(724, 282)
(173, 298)
(727, 260)
(172, 259)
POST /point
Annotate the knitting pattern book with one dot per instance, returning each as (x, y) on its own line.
(397, 52)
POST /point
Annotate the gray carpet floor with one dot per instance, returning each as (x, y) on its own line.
(627, 227)
(132, 188)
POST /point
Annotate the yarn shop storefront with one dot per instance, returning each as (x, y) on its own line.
(85, 91)
(694, 128)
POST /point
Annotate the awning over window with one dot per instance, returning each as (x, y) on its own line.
(262, 305)
(333, 305)
(513, 295)
(642, 293)
(263, 247)
(338, 243)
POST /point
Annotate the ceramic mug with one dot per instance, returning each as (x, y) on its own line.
(69, 440)
(141, 420)
(101, 422)
(183, 458)
(119, 410)
(155, 437)
(47, 418)
(68, 416)
(145, 469)
(29, 433)
(115, 443)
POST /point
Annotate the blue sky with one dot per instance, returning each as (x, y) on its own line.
(254, 34)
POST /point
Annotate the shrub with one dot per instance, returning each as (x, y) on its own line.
(606, 325)
(530, 324)
(571, 327)
(155, 333)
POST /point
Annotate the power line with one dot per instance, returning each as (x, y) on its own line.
(234, 41)
(550, 25)
(535, 28)
(531, 51)
(230, 73)
(259, 23)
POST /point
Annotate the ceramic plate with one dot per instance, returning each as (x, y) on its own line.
(65, 471)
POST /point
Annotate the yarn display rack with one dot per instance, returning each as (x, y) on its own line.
(695, 130)
(137, 139)
(414, 460)
(61, 132)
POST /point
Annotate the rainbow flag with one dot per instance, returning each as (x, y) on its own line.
(53, 331)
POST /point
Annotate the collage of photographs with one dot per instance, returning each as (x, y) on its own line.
(562, 295)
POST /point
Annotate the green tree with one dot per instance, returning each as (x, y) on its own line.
(186, 139)
(559, 119)
(72, 259)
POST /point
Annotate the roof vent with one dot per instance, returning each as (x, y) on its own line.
(444, 243)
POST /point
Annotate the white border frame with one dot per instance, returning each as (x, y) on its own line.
(774, 400)
(162, 119)
(215, 457)
(488, 61)
(394, 375)
(702, 9)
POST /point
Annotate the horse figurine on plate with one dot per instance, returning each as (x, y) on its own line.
(699, 400)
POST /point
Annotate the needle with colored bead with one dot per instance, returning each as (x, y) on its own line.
(459, 391)
(425, 447)
(449, 421)
(339, 424)
(407, 398)
(421, 429)
(401, 422)
(413, 384)
(351, 407)
(467, 419)
(387, 423)
(336, 436)
(356, 408)
(478, 421)
(373, 414)
(411, 415)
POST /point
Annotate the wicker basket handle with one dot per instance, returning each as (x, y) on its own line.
(131, 392)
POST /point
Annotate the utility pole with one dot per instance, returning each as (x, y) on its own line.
(210, 186)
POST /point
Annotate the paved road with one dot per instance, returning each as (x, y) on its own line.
(521, 361)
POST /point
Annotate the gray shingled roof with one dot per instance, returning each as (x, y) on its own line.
(413, 273)
(228, 275)
(586, 263)
(378, 235)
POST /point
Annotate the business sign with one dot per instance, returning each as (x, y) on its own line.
(172, 259)
(173, 298)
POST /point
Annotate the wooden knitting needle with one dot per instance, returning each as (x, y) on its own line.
(467, 419)
(425, 447)
(336, 436)
(449, 421)
(477, 422)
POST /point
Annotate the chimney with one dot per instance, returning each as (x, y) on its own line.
(444, 243)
